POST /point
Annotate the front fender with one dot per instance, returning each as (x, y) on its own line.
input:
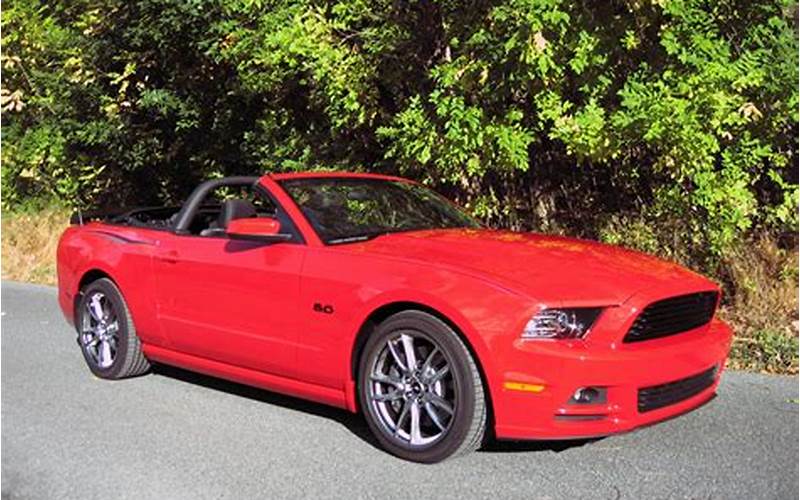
(483, 315)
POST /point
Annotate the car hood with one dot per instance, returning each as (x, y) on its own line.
(551, 269)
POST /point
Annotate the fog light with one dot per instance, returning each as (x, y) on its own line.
(588, 396)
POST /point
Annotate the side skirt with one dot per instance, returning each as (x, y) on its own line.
(246, 376)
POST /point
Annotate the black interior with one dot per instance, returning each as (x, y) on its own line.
(235, 209)
(209, 209)
(213, 217)
(231, 209)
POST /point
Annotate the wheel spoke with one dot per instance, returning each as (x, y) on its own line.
(437, 376)
(104, 353)
(95, 308)
(416, 431)
(434, 416)
(396, 356)
(386, 379)
(402, 417)
(408, 349)
(428, 364)
(388, 396)
(99, 356)
(441, 403)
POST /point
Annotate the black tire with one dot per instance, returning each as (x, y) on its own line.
(467, 422)
(128, 360)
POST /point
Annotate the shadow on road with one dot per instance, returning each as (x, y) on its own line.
(495, 446)
(355, 423)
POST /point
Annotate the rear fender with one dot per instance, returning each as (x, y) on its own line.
(122, 254)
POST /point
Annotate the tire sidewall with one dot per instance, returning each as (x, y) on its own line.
(108, 288)
(455, 352)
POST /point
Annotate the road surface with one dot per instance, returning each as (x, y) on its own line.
(172, 434)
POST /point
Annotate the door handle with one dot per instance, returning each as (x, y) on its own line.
(170, 257)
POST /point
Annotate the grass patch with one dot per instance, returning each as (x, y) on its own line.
(766, 351)
(29, 242)
(762, 306)
(761, 302)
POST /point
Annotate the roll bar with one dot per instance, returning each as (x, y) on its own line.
(193, 202)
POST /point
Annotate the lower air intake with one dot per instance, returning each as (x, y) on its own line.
(659, 396)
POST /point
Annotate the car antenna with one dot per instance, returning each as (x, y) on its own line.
(80, 217)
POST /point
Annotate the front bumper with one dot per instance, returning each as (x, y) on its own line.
(622, 369)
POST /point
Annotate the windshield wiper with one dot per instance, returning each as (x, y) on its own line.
(374, 234)
(357, 237)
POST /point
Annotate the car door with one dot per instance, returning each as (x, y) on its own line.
(231, 301)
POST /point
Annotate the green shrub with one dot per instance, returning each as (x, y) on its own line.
(667, 125)
(651, 111)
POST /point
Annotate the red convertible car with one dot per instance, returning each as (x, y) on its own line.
(375, 294)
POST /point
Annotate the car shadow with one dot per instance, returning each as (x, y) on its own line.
(497, 446)
(355, 423)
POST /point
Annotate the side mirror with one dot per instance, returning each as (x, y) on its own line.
(256, 229)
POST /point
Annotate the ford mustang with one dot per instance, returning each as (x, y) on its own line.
(374, 294)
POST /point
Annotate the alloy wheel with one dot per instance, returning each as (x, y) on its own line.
(100, 330)
(412, 389)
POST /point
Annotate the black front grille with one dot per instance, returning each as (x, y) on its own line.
(659, 396)
(673, 315)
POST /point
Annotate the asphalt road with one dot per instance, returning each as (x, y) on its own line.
(172, 434)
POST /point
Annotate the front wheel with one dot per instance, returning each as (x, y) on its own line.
(420, 389)
(106, 332)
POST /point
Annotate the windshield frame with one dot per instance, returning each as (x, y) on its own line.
(368, 235)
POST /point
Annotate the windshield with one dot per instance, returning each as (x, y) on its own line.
(344, 210)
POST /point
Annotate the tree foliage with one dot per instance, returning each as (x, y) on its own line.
(665, 123)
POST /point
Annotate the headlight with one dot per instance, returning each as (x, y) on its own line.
(561, 323)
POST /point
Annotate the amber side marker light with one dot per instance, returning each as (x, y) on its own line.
(521, 386)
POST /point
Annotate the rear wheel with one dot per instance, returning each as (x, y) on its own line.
(106, 332)
(420, 389)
